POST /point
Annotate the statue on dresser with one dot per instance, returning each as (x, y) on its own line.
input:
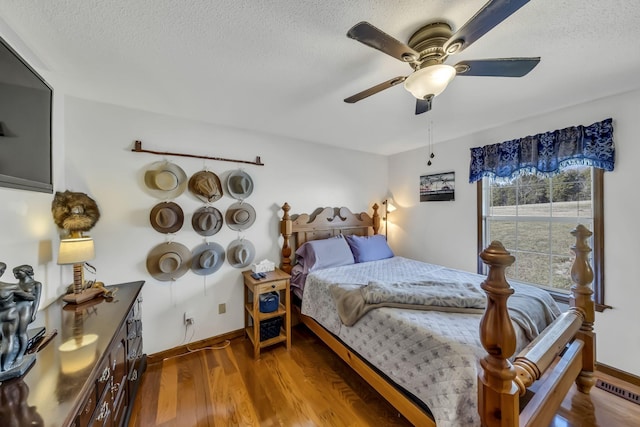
(18, 307)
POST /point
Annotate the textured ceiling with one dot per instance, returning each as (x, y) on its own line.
(284, 67)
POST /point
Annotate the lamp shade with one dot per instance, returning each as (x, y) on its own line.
(74, 251)
(430, 80)
(390, 207)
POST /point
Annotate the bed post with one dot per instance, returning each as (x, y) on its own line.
(285, 230)
(581, 292)
(498, 403)
(376, 219)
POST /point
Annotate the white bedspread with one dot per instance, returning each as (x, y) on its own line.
(434, 355)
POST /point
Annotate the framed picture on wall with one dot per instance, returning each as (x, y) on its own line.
(438, 187)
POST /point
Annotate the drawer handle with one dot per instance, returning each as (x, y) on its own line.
(104, 411)
(105, 375)
(273, 286)
(134, 375)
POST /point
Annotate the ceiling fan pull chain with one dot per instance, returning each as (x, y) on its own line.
(431, 155)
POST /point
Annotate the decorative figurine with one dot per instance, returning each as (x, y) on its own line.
(18, 306)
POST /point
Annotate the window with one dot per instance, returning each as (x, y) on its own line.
(533, 218)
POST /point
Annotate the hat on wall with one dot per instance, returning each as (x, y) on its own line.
(240, 253)
(165, 180)
(207, 221)
(240, 216)
(207, 258)
(239, 184)
(205, 186)
(168, 261)
(166, 217)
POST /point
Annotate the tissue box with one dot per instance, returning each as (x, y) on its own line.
(263, 266)
(269, 302)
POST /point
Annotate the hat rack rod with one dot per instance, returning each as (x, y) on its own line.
(137, 148)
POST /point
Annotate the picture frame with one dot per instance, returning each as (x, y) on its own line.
(438, 187)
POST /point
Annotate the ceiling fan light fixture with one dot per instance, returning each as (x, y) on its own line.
(430, 80)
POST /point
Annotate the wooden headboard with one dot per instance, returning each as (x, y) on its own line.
(322, 224)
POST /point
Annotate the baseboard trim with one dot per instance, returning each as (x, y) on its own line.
(617, 373)
(182, 349)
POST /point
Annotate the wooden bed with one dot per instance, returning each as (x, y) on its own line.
(539, 376)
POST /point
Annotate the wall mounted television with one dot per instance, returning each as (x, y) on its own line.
(25, 125)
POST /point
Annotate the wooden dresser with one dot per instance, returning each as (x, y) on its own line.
(89, 372)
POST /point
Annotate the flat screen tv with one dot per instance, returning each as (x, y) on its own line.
(25, 125)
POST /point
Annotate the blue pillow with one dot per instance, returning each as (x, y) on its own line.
(319, 254)
(370, 248)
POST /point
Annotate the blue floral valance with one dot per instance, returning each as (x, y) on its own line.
(545, 153)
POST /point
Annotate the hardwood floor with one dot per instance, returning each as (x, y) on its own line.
(307, 386)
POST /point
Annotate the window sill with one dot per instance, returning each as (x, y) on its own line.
(564, 299)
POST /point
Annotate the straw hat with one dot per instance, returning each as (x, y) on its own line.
(166, 217)
(240, 253)
(205, 186)
(207, 221)
(239, 184)
(207, 258)
(165, 180)
(168, 261)
(240, 216)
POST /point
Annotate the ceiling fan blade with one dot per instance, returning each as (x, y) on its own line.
(423, 105)
(373, 37)
(375, 89)
(491, 14)
(500, 67)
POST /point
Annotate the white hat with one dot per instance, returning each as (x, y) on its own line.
(165, 180)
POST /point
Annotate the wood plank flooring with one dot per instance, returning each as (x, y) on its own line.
(307, 386)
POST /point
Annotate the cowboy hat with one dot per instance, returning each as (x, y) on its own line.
(206, 221)
(165, 180)
(166, 217)
(239, 184)
(205, 186)
(168, 261)
(207, 258)
(240, 253)
(240, 216)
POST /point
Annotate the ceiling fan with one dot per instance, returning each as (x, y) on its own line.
(429, 47)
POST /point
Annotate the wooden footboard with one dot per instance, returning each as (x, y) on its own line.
(564, 352)
(544, 371)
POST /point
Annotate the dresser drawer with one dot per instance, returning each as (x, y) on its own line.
(87, 409)
(103, 413)
(277, 285)
(104, 377)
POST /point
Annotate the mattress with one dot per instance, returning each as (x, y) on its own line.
(433, 355)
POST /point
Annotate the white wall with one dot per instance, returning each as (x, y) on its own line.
(445, 232)
(99, 161)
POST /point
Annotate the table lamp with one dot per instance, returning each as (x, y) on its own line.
(76, 251)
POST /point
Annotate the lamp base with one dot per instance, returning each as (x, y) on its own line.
(83, 296)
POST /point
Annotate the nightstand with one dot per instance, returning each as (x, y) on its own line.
(275, 327)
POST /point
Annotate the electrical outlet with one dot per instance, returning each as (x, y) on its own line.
(188, 318)
(222, 308)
